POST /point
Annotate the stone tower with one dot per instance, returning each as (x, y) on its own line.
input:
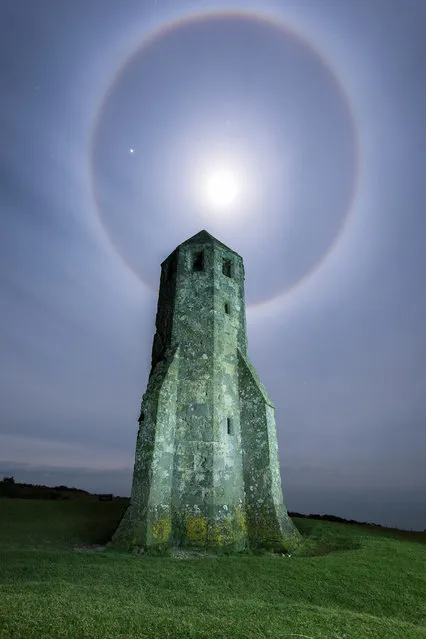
(206, 470)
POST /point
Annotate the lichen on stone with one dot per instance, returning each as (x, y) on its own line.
(206, 468)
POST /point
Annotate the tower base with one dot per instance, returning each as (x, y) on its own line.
(193, 530)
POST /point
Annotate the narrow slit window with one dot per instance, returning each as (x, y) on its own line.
(227, 267)
(227, 308)
(229, 426)
(171, 268)
(198, 261)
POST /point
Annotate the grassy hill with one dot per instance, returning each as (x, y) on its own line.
(345, 582)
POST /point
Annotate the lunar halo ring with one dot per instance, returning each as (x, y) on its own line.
(201, 16)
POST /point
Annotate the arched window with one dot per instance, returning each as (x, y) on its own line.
(198, 261)
(227, 267)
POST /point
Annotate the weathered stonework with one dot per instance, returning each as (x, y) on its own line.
(206, 468)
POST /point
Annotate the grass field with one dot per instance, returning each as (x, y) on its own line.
(345, 582)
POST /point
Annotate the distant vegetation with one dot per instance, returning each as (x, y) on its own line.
(15, 490)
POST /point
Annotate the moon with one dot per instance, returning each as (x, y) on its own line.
(222, 187)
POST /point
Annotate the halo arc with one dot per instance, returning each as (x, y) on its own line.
(173, 24)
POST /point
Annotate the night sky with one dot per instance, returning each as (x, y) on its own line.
(112, 116)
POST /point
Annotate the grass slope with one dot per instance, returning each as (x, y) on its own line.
(346, 582)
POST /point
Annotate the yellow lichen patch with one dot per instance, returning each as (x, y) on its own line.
(221, 533)
(196, 528)
(229, 529)
(161, 529)
(240, 520)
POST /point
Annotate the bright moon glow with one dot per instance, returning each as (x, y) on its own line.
(222, 188)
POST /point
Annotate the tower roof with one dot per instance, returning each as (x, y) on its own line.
(204, 237)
